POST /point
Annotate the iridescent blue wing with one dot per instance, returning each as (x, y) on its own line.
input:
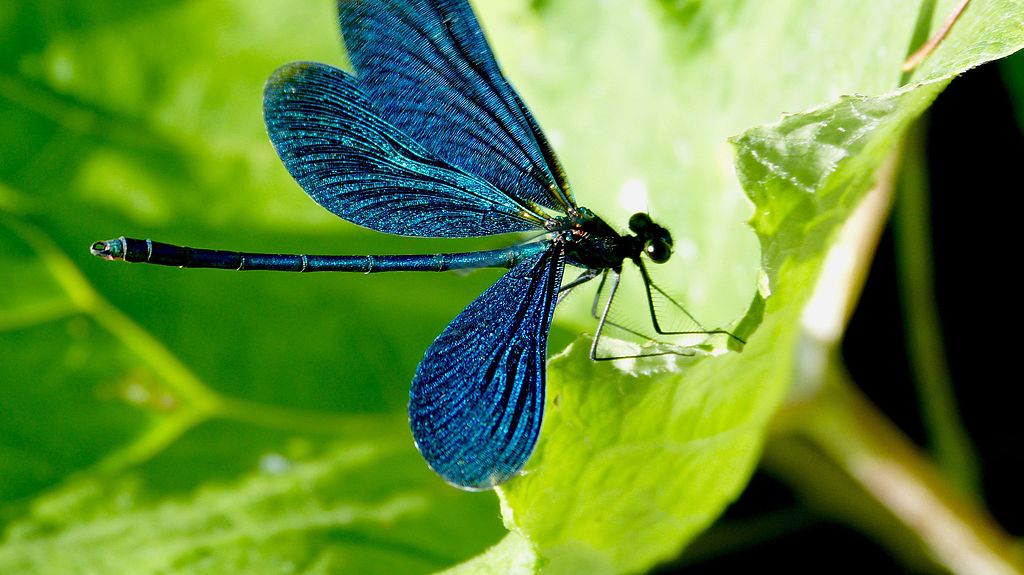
(478, 396)
(365, 170)
(427, 66)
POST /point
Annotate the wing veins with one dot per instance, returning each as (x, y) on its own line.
(516, 110)
(463, 87)
(329, 136)
(477, 421)
(518, 412)
(533, 173)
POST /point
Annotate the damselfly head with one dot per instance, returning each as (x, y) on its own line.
(656, 239)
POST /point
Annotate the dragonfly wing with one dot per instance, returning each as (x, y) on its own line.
(370, 173)
(478, 396)
(427, 66)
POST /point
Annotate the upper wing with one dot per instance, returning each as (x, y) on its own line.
(365, 170)
(427, 66)
(478, 396)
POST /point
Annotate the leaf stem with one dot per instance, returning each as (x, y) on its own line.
(911, 230)
(915, 59)
(842, 425)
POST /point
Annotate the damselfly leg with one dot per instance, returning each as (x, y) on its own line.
(650, 288)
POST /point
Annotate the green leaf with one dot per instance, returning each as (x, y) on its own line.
(325, 510)
(634, 463)
(661, 451)
(163, 420)
(513, 555)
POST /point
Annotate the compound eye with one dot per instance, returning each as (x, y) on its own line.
(658, 250)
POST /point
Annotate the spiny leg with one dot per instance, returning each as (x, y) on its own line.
(603, 319)
(597, 299)
(587, 275)
(604, 316)
(648, 284)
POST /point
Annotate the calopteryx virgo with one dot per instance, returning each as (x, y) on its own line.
(429, 139)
